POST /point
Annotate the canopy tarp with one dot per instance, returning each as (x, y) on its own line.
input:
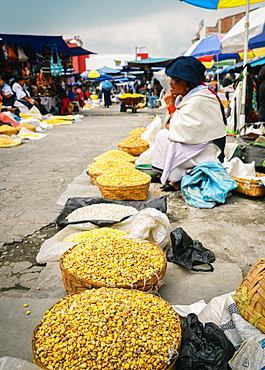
(109, 70)
(149, 62)
(234, 39)
(77, 50)
(38, 42)
(220, 4)
(258, 62)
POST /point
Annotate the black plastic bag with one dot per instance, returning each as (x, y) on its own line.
(251, 152)
(203, 348)
(189, 253)
(160, 203)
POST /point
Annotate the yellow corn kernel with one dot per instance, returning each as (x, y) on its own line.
(114, 262)
(115, 154)
(123, 177)
(133, 141)
(61, 340)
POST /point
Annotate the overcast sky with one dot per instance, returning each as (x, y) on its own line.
(164, 27)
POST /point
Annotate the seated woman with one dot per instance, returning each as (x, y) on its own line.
(6, 93)
(79, 95)
(195, 130)
(23, 99)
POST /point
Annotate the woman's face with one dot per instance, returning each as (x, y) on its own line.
(178, 87)
(2, 82)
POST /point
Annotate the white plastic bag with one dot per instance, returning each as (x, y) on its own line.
(149, 135)
(214, 309)
(24, 133)
(12, 363)
(52, 249)
(250, 355)
(34, 112)
(147, 224)
(151, 130)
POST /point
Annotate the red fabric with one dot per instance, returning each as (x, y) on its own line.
(4, 118)
(212, 91)
(171, 109)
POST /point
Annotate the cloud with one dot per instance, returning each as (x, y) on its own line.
(163, 35)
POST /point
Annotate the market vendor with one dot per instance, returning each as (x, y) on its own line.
(195, 130)
(6, 93)
(23, 100)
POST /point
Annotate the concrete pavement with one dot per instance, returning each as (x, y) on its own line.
(36, 174)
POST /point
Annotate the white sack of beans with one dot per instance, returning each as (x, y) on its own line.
(102, 211)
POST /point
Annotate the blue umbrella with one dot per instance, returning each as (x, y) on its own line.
(109, 70)
(95, 75)
(210, 46)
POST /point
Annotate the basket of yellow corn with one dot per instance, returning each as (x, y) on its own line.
(131, 99)
(137, 131)
(124, 185)
(133, 145)
(115, 154)
(113, 262)
(250, 296)
(106, 328)
(106, 165)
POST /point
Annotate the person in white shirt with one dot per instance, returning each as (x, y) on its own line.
(23, 100)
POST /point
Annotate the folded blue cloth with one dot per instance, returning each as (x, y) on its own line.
(206, 185)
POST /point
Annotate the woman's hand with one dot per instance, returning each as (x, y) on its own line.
(169, 98)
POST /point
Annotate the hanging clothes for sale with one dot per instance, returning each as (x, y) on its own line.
(21, 55)
(55, 63)
(11, 53)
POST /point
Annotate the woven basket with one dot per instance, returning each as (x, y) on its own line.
(37, 361)
(134, 150)
(75, 284)
(250, 296)
(134, 192)
(93, 177)
(254, 188)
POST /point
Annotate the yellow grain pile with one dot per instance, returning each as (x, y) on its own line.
(121, 177)
(108, 329)
(114, 262)
(115, 154)
(137, 131)
(104, 233)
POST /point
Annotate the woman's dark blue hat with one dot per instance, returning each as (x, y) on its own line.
(186, 68)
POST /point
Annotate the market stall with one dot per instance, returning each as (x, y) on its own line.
(46, 61)
(130, 101)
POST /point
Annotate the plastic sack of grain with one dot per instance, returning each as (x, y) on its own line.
(147, 224)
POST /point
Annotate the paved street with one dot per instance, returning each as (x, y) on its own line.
(34, 176)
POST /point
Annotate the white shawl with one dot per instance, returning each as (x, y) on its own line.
(198, 119)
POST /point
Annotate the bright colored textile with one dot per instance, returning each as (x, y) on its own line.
(207, 185)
